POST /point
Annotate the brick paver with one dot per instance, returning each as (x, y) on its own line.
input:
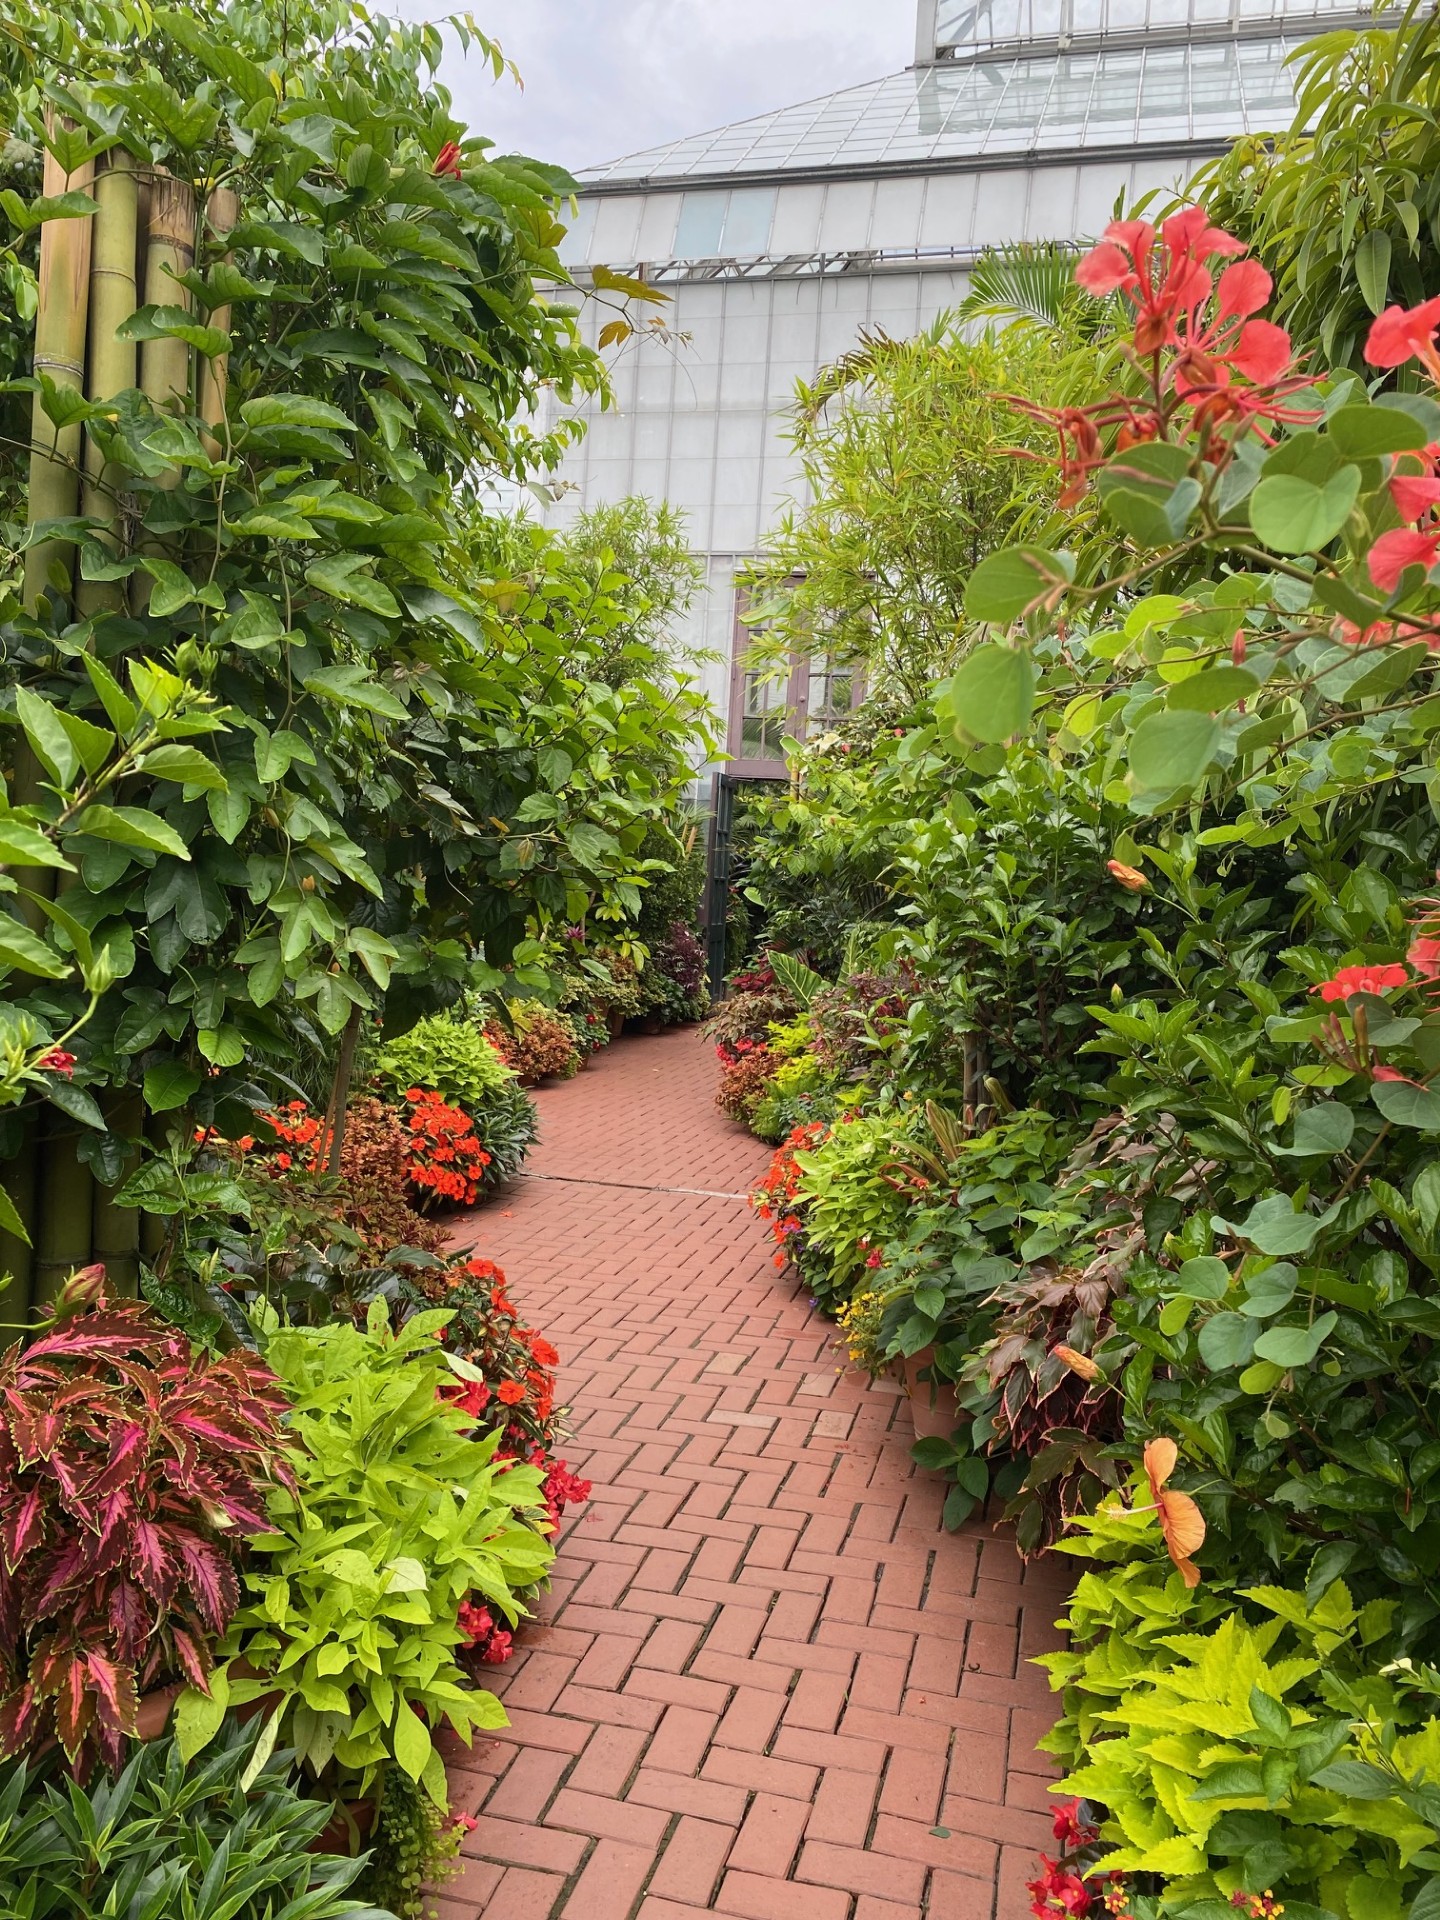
(765, 1682)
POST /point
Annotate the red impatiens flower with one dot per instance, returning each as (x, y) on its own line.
(544, 1352)
(57, 1061)
(1400, 334)
(1370, 979)
(447, 161)
(1398, 549)
(1057, 1890)
(510, 1393)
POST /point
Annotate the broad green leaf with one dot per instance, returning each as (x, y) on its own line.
(1016, 581)
(132, 827)
(344, 576)
(294, 410)
(1328, 1128)
(1292, 514)
(1171, 750)
(1213, 690)
(222, 1046)
(22, 845)
(169, 1085)
(412, 1740)
(1406, 1106)
(21, 948)
(353, 687)
(1227, 1340)
(185, 765)
(117, 703)
(52, 745)
(1295, 1346)
(1362, 431)
(1203, 1279)
(10, 1221)
(992, 696)
(1371, 265)
(1273, 1226)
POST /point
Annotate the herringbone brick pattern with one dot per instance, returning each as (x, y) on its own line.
(765, 1682)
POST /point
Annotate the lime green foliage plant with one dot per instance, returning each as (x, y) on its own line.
(413, 1848)
(1223, 1733)
(227, 1833)
(396, 1519)
(855, 1191)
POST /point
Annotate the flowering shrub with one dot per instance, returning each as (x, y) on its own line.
(131, 1470)
(447, 1161)
(776, 1198)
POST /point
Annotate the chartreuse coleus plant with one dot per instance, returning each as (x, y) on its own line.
(1226, 1736)
(395, 1519)
(342, 321)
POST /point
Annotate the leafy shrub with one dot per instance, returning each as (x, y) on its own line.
(854, 1192)
(673, 984)
(396, 1517)
(749, 1014)
(130, 1471)
(745, 1080)
(227, 1834)
(373, 1183)
(539, 1044)
(448, 1054)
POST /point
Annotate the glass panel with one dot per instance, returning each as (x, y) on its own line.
(831, 695)
(702, 217)
(747, 224)
(764, 716)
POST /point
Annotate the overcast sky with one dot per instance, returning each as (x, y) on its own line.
(608, 77)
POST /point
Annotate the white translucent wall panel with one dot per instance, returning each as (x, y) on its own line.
(1096, 194)
(617, 227)
(948, 216)
(796, 228)
(575, 247)
(1000, 208)
(656, 239)
(845, 223)
(898, 207)
(1051, 213)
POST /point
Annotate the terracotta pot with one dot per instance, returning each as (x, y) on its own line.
(342, 1834)
(653, 1024)
(154, 1713)
(934, 1412)
(617, 1023)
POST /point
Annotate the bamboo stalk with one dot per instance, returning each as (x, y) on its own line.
(116, 1232)
(16, 1258)
(60, 353)
(222, 210)
(63, 1239)
(112, 360)
(169, 250)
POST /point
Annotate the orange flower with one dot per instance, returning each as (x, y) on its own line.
(510, 1393)
(1130, 878)
(1080, 1363)
(1181, 1521)
(544, 1352)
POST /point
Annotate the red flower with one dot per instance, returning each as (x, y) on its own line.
(57, 1061)
(447, 161)
(1350, 980)
(465, 1822)
(1424, 956)
(544, 1352)
(1398, 549)
(1400, 334)
(1378, 634)
(1069, 1828)
(510, 1393)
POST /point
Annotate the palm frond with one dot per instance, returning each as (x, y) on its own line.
(1032, 282)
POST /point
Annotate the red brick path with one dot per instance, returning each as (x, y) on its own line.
(767, 1683)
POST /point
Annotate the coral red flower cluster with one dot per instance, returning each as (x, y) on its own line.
(57, 1061)
(774, 1199)
(1397, 335)
(447, 1158)
(300, 1135)
(1197, 334)
(447, 161)
(1350, 980)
